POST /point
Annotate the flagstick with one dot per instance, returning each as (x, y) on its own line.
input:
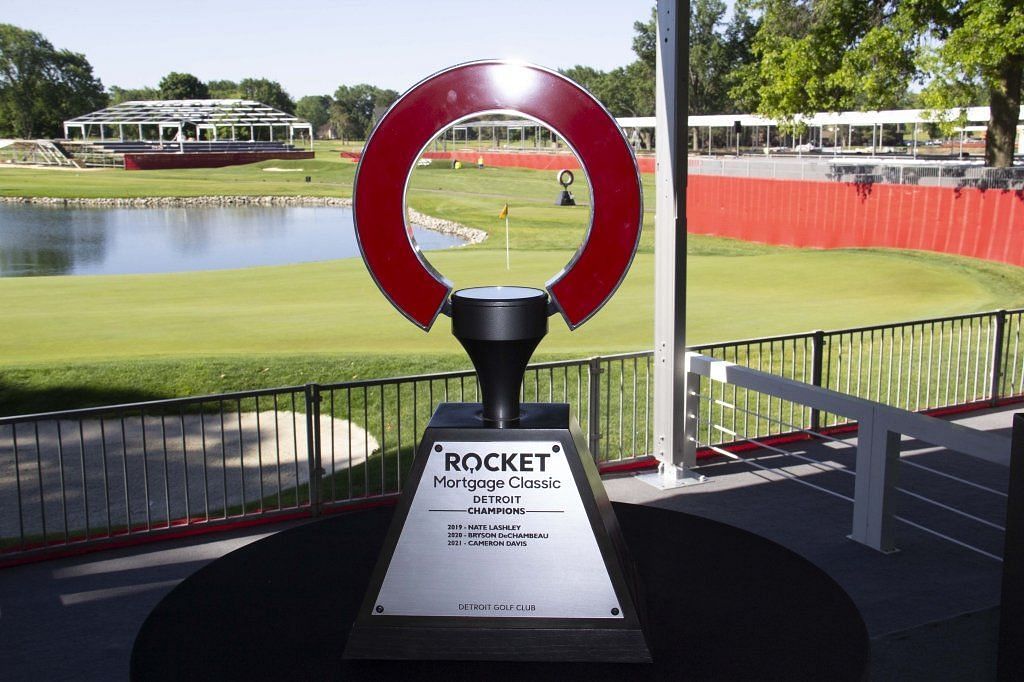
(507, 265)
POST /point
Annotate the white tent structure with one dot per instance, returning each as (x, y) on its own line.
(190, 117)
(825, 122)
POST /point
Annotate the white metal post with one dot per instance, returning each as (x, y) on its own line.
(878, 454)
(672, 405)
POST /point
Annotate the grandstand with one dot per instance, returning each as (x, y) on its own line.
(141, 135)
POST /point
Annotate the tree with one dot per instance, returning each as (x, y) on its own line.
(645, 42)
(41, 86)
(811, 56)
(182, 86)
(223, 89)
(118, 94)
(983, 47)
(717, 51)
(840, 54)
(586, 76)
(314, 108)
(354, 106)
(706, 78)
(625, 91)
(339, 122)
(268, 92)
(739, 55)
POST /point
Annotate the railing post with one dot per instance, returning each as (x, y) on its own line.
(594, 408)
(1011, 608)
(997, 357)
(878, 456)
(691, 423)
(817, 353)
(316, 471)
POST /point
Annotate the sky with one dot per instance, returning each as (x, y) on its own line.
(314, 46)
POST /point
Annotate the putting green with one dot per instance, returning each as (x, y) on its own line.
(334, 308)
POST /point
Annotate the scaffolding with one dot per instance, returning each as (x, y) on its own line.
(189, 119)
(33, 153)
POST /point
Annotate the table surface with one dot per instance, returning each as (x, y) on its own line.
(721, 603)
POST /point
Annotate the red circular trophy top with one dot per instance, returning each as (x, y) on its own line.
(486, 87)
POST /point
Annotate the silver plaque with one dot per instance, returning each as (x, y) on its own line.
(497, 529)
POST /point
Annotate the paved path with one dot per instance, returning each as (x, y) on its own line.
(76, 618)
(930, 607)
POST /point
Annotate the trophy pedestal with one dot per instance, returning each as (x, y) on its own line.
(504, 546)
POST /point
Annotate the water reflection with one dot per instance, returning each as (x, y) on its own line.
(36, 242)
(43, 240)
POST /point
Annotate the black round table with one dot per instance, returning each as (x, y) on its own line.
(721, 604)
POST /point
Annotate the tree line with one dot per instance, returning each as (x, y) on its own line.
(835, 55)
(349, 113)
(42, 86)
(777, 58)
(787, 58)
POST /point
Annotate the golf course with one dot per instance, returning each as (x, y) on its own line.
(71, 341)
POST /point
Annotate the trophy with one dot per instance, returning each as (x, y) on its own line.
(503, 545)
(565, 198)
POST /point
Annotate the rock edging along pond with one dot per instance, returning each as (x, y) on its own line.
(470, 234)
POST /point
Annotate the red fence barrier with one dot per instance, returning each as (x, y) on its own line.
(986, 224)
(160, 161)
(536, 160)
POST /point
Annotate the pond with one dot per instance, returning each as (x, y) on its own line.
(44, 240)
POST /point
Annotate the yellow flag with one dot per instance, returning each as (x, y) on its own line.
(504, 212)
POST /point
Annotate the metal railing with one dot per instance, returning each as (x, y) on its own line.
(918, 366)
(100, 474)
(884, 485)
(861, 171)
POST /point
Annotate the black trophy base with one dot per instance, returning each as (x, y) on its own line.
(721, 604)
(429, 643)
(565, 198)
(555, 551)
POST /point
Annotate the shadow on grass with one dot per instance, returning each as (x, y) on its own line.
(20, 399)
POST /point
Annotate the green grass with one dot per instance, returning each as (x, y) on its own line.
(333, 308)
(331, 176)
(68, 341)
(84, 340)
